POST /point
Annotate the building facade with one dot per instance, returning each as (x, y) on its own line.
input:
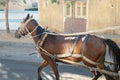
(79, 15)
(20, 5)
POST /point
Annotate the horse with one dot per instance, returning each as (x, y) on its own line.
(86, 48)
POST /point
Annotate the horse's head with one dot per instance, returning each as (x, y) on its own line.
(27, 26)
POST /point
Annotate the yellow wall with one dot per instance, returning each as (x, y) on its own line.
(51, 15)
(118, 12)
(103, 13)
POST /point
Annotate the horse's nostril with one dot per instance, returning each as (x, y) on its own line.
(16, 34)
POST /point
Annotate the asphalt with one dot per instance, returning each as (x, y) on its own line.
(21, 70)
(17, 64)
(17, 70)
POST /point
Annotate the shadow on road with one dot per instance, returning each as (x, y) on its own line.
(20, 70)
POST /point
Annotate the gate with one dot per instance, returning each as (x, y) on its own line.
(75, 25)
(75, 16)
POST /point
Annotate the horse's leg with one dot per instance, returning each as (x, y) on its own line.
(96, 75)
(52, 64)
(44, 64)
(54, 68)
(109, 77)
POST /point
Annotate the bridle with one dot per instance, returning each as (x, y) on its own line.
(23, 26)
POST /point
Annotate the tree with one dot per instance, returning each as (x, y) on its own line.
(6, 4)
(53, 1)
(6, 15)
(2, 2)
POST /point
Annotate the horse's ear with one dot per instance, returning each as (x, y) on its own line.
(28, 15)
(31, 16)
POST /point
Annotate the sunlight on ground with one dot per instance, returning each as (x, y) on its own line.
(67, 76)
(0, 65)
(70, 76)
(4, 74)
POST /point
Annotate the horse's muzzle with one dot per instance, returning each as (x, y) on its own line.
(16, 34)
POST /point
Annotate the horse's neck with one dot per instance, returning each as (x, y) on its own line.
(36, 37)
(37, 34)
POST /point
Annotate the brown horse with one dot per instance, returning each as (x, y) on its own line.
(53, 47)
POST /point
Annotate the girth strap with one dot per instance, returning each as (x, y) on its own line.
(85, 38)
(73, 47)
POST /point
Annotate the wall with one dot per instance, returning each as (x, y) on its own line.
(118, 12)
(51, 15)
(103, 13)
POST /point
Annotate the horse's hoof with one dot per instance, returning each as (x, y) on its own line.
(94, 78)
(39, 78)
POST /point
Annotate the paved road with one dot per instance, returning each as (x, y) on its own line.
(16, 64)
(17, 70)
(20, 70)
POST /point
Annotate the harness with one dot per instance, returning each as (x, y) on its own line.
(42, 40)
(71, 54)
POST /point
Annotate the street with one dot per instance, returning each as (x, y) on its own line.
(21, 70)
(17, 70)
(17, 64)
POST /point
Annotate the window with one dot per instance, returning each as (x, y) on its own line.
(84, 9)
(80, 9)
(68, 9)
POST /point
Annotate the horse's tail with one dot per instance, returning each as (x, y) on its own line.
(114, 51)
